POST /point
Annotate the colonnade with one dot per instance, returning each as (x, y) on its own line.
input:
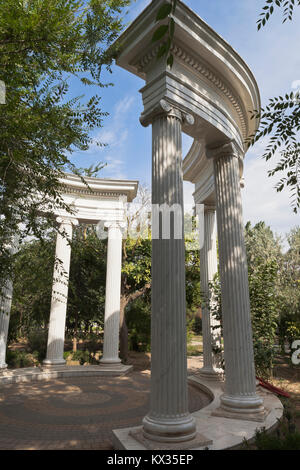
(169, 419)
(58, 310)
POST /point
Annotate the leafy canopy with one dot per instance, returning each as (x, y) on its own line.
(45, 47)
(280, 119)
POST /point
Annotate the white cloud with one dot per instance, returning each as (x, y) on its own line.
(114, 135)
(261, 201)
(114, 168)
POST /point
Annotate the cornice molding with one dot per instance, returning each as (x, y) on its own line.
(204, 70)
(223, 150)
(90, 192)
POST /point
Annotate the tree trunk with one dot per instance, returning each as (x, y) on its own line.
(74, 340)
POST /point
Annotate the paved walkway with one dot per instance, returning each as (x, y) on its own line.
(76, 413)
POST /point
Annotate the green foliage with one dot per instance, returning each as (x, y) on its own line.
(44, 47)
(33, 286)
(293, 331)
(18, 359)
(33, 276)
(136, 275)
(268, 9)
(136, 268)
(165, 32)
(263, 251)
(289, 292)
(192, 281)
(81, 356)
(281, 120)
(67, 354)
(37, 343)
(138, 319)
(86, 296)
(285, 438)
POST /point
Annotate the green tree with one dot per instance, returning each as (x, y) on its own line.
(263, 256)
(45, 46)
(289, 294)
(33, 285)
(33, 277)
(86, 297)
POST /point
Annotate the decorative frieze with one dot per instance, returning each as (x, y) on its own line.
(181, 54)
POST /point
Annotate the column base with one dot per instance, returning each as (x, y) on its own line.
(211, 374)
(49, 363)
(3, 368)
(240, 407)
(169, 430)
(110, 362)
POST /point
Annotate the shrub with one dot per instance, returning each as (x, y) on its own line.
(67, 354)
(37, 342)
(18, 359)
(81, 356)
(197, 326)
(138, 319)
(286, 436)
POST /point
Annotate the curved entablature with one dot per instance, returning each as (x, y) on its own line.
(208, 79)
(94, 199)
(198, 169)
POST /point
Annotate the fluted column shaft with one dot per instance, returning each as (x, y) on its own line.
(5, 306)
(240, 385)
(112, 295)
(58, 311)
(208, 268)
(168, 419)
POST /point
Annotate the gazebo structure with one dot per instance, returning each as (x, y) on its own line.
(207, 93)
(93, 201)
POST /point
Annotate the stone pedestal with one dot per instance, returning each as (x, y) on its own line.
(168, 419)
(112, 295)
(57, 322)
(240, 395)
(211, 330)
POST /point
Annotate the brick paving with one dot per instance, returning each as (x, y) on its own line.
(76, 413)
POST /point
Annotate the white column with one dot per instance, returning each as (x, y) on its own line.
(211, 330)
(57, 322)
(5, 307)
(112, 295)
(240, 397)
(168, 419)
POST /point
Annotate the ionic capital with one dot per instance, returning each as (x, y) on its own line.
(209, 208)
(67, 221)
(114, 224)
(164, 108)
(229, 148)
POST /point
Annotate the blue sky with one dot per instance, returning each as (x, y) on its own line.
(273, 56)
